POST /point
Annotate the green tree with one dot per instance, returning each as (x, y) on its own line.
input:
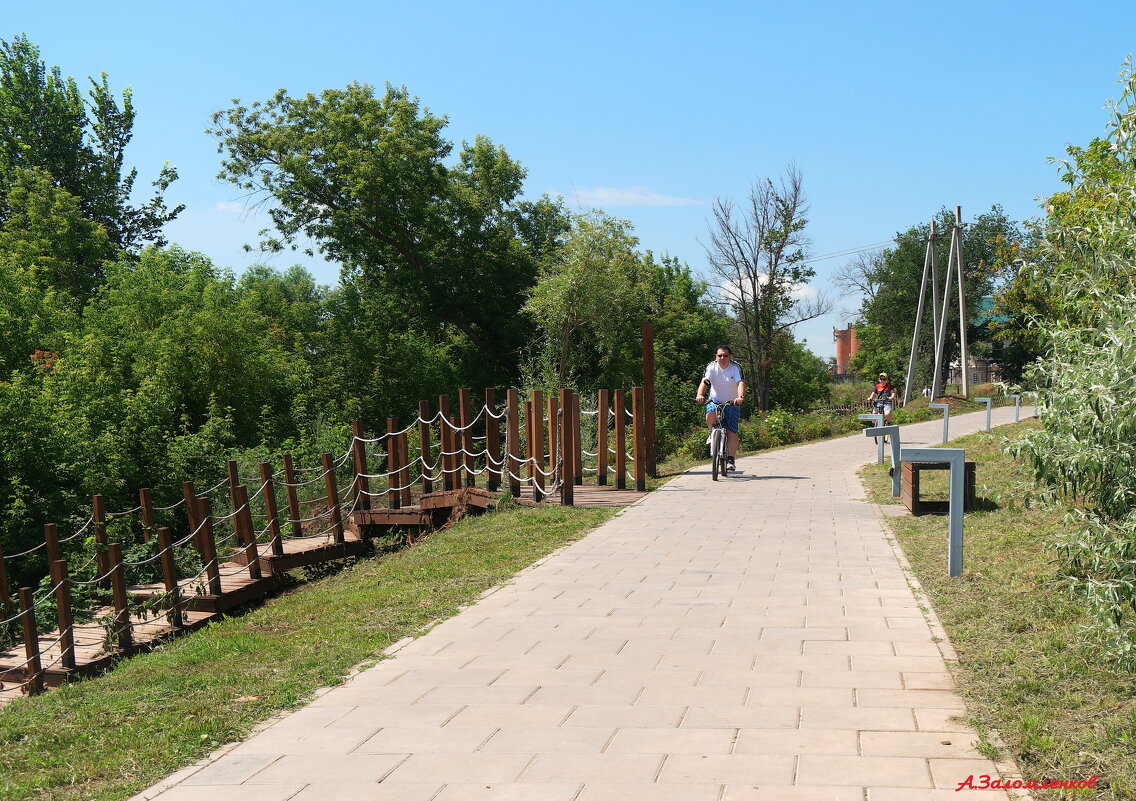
(589, 305)
(800, 377)
(47, 236)
(367, 179)
(46, 123)
(1086, 447)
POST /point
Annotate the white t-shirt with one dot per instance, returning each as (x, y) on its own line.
(723, 382)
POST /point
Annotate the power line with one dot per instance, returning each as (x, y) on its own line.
(851, 251)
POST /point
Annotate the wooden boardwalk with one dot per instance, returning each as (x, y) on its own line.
(95, 649)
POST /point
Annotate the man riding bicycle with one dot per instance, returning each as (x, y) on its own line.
(883, 397)
(727, 385)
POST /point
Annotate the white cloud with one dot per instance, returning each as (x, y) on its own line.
(230, 207)
(607, 197)
(731, 291)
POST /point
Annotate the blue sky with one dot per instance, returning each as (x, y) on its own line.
(650, 110)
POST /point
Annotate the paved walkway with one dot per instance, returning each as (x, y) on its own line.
(751, 639)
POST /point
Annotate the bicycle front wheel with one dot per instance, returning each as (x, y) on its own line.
(717, 450)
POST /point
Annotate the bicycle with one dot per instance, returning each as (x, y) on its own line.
(719, 453)
(880, 405)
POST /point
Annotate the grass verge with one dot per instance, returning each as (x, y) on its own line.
(110, 737)
(1025, 669)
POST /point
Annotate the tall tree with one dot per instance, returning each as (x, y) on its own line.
(47, 123)
(366, 177)
(758, 255)
(589, 304)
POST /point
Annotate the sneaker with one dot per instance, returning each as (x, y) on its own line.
(730, 464)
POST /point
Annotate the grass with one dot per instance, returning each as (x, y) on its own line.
(110, 737)
(1030, 677)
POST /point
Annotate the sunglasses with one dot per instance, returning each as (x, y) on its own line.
(721, 356)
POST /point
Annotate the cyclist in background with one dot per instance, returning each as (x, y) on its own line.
(727, 385)
(883, 397)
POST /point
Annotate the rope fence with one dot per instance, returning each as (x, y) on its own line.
(530, 445)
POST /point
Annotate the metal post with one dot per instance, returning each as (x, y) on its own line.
(987, 401)
(1017, 407)
(909, 385)
(892, 433)
(956, 458)
(964, 351)
(946, 416)
(878, 419)
(941, 331)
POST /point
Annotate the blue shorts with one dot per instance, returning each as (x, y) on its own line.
(731, 416)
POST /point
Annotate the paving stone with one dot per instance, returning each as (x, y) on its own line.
(649, 791)
(593, 767)
(749, 639)
(742, 792)
(860, 771)
(760, 769)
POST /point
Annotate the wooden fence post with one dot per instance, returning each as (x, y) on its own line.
(361, 486)
(170, 576)
(146, 501)
(649, 399)
(538, 444)
(293, 497)
(556, 421)
(191, 519)
(404, 466)
(638, 418)
(33, 671)
(102, 562)
(209, 545)
(333, 496)
(234, 480)
(270, 509)
(444, 443)
(530, 454)
(244, 524)
(64, 615)
(51, 539)
(512, 463)
(601, 438)
(493, 460)
(394, 496)
(620, 412)
(577, 443)
(567, 449)
(465, 408)
(424, 445)
(121, 631)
